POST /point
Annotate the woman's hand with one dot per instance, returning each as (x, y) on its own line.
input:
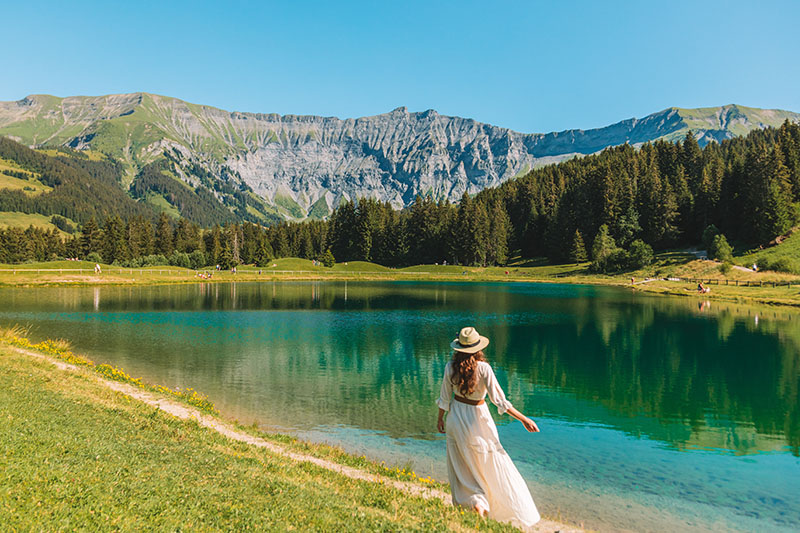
(530, 425)
(440, 425)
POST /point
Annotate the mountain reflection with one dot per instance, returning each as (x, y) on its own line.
(371, 355)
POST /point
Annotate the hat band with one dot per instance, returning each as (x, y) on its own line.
(469, 345)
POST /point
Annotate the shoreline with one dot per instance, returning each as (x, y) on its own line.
(780, 296)
(204, 414)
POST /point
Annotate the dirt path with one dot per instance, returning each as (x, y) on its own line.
(187, 413)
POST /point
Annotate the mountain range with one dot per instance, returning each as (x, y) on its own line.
(301, 166)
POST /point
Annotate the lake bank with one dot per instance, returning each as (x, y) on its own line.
(85, 450)
(80, 273)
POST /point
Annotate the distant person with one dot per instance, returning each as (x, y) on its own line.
(97, 268)
(482, 476)
(702, 289)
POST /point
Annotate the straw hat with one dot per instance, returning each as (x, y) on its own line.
(469, 341)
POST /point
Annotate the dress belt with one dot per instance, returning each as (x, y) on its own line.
(467, 400)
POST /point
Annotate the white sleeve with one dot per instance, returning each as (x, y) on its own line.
(447, 390)
(496, 394)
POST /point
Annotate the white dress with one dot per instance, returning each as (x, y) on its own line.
(481, 472)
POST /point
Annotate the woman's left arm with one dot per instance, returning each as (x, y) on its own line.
(529, 424)
(498, 398)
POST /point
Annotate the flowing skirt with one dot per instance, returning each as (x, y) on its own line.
(481, 472)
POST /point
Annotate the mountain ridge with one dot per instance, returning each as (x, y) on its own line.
(295, 163)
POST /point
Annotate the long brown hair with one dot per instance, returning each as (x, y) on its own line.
(464, 365)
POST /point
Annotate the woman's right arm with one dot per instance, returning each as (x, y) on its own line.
(445, 394)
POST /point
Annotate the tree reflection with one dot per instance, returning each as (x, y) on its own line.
(302, 354)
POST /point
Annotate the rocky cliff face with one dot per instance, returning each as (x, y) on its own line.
(305, 163)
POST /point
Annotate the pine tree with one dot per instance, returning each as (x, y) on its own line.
(280, 243)
(214, 245)
(91, 238)
(577, 253)
(497, 242)
(226, 261)
(263, 253)
(602, 249)
(114, 242)
(328, 259)
(54, 245)
(164, 244)
(720, 249)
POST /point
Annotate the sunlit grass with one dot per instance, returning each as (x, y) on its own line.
(79, 455)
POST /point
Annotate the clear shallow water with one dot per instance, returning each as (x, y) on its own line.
(656, 413)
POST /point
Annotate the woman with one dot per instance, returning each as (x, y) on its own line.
(482, 476)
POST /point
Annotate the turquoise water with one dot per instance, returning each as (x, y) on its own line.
(657, 413)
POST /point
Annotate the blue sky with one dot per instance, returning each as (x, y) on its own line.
(533, 66)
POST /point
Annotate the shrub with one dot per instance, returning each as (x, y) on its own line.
(327, 258)
(641, 254)
(94, 257)
(720, 249)
(725, 267)
(789, 265)
(618, 260)
(180, 259)
(602, 249)
(197, 259)
(708, 237)
(153, 260)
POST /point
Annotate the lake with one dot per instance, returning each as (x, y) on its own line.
(656, 413)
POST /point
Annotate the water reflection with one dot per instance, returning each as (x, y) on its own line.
(683, 372)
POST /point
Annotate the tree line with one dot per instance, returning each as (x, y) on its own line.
(613, 208)
(137, 242)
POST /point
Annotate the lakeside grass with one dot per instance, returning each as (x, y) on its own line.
(76, 454)
(673, 264)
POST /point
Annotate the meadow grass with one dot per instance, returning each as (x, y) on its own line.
(77, 455)
(24, 220)
(789, 248)
(30, 187)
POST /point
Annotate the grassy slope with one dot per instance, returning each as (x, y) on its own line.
(23, 220)
(11, 182)
(76, 454)
(30, 186)
(162, 204)
(708, 118)
(790, 248)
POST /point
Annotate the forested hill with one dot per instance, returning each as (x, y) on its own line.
(662, 195)
(68, 184)
(613, 208)
(265, 167)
